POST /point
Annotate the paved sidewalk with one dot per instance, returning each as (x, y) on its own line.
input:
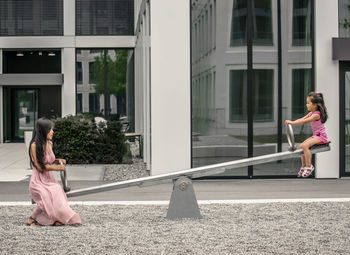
(281, 189)
(14, 166)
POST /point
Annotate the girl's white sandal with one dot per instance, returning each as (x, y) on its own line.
(301, 171)
(308, 171)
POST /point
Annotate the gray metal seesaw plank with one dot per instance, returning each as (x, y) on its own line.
(194, 172)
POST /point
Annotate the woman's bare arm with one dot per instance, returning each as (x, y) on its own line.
(47, 167)
(59, 160)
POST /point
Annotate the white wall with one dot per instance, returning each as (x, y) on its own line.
(170, 86)
(327, 82)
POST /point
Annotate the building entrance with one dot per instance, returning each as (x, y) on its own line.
(21, 112)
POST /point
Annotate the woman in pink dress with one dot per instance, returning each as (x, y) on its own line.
(316, 117)
(52, 203)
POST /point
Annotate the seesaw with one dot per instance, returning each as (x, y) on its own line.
(183, 202)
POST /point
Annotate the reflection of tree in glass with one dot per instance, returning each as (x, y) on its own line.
(116, 74)
(346, 22)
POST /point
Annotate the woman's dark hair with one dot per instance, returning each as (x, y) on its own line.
(317, 98)
(42, 128)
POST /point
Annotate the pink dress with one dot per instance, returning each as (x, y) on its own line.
(318, 129)
(52, 202)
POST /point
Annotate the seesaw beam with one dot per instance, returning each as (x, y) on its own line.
(183, 202)
(193, 172)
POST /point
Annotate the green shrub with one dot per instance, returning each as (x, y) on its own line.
(80, 141)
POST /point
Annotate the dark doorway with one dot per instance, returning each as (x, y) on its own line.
(23, 106)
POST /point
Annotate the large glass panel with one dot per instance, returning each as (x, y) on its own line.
(219, 86)
(102, 73)
(344, 18)
(281, 81)
(294, 84)
(31, 18)
(262, 23)
(347, 122)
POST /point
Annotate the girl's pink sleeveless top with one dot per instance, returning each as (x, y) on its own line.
(318, 128)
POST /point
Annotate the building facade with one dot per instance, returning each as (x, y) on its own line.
(207, 81)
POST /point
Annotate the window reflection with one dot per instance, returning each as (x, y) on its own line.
(301, 86)
(301, 22)
(281, 80)
(344, 18)
(102, 74)
(262, 23)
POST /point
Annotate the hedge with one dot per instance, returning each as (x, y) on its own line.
(80, 141)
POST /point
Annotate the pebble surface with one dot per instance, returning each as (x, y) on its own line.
(122, 172)
(275, 228)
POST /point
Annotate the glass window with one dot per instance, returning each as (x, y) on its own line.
(31, 18)
(344, 18)
(301, 23)
(79, 73)
(91, 73)
(79, 103)
(238, 95)
(263, 95)
(94, 102)
(104, 17)
(262, 22)
(301, 86)
(347, 121)
(222, 127)
(32, 61)
(112, 86)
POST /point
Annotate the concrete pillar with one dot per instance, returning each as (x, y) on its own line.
(69, 17)
(170, 86)
(327, 82)
(68, 87)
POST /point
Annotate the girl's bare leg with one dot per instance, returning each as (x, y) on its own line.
(302, 161)
(305, 146)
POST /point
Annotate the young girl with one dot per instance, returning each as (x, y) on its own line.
(317, 117)
(52, 204)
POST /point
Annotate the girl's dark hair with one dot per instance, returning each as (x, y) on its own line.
(317, 98)
(42, 128)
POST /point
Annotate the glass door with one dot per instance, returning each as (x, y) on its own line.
(344, 82)
(25, 112)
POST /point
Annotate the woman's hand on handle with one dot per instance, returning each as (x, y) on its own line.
(61, 167)
(288, 122)
(62, 160)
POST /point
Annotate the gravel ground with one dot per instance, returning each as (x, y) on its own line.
(122, 172)
(272, 228)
